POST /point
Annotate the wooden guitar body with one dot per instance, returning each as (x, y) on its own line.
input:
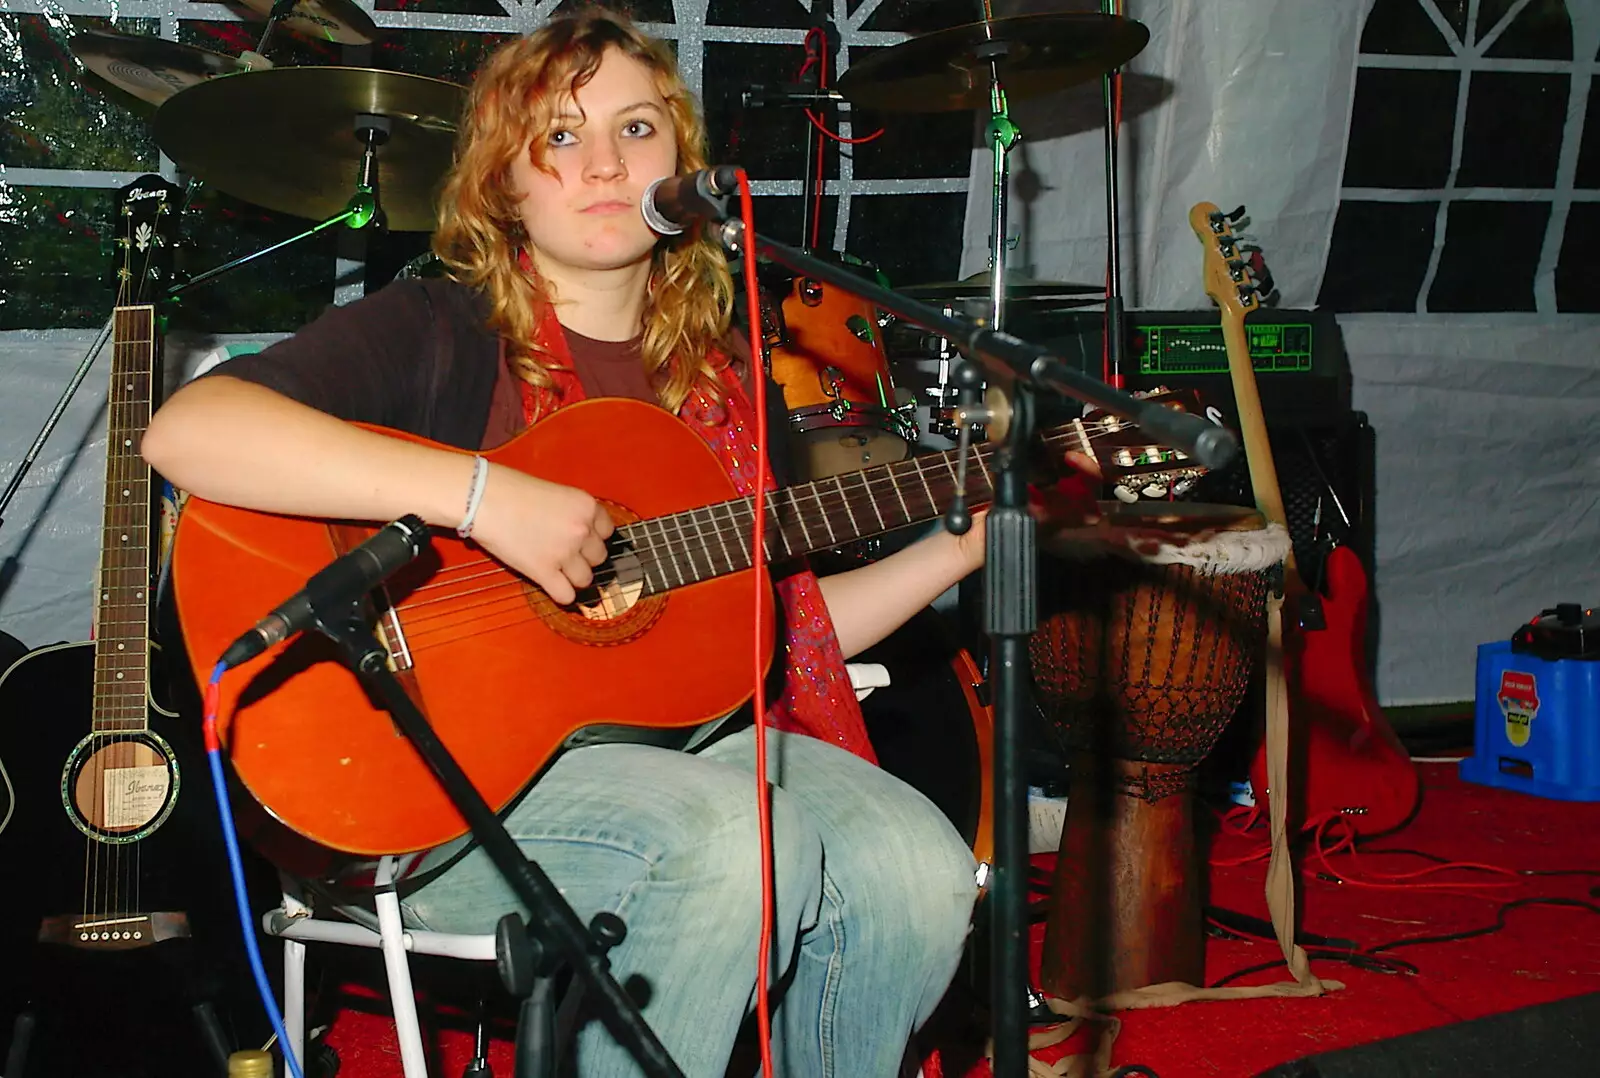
(106, 1002)
(502, 673)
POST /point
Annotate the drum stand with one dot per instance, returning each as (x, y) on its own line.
(361, 211)
(1010, 615)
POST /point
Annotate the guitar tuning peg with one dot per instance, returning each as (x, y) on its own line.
(1235, 215)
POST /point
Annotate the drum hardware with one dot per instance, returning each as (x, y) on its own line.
(292, 139)
(341, 21)
(150, 68)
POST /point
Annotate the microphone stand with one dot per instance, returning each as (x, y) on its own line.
(32, 455)
(1010, 588)
(528, 955)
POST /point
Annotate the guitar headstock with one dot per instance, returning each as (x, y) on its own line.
(146, 237)
(1235, 276)
(1135, 466)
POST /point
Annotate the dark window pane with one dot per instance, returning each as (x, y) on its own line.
(926, 16)
(769, 142)
(782, 218)
(49, 119)
(1378, 256)
(56, 257)
(639, 10)
(1578, 271)
(914, 239)
(446, 7)
(1455, 13)
(1400, 128)
(1541, 31)
(438, 54)
(279, 292)
(781, 13)
(913, 144)
(1588, 175)
(1514, 128)
(1402, 28)
(1491, 250)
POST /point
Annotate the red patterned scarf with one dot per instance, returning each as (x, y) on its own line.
(816, 698)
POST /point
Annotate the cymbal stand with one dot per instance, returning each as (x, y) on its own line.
(1116, 337)
(362, 209)
(279, 12)
(1010, 615)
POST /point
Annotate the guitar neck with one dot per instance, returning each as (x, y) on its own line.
(122, 621)
(699, 544)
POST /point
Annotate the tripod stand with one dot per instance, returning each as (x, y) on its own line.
(529, 955)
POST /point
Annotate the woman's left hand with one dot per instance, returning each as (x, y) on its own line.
(1070, 499)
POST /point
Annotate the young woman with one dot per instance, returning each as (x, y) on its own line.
(559, 291)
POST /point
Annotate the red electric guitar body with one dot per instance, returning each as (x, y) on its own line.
(1344, 756)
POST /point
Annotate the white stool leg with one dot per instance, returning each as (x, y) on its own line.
(402, 997)
(294, 999)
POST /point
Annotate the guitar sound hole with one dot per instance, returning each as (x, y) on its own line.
(120, 787)
(617, 586)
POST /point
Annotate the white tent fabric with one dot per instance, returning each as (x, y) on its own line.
(1233, 102)
(1486, 482)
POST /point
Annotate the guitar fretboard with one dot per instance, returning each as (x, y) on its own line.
(699, 544)
(122, 623)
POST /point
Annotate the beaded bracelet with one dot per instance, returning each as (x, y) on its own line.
(480, 479)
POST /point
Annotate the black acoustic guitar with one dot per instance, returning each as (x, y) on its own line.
(106, 828)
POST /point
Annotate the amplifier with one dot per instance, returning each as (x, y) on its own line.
(1299, 356)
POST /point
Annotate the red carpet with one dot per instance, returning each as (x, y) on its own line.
(1544, 953)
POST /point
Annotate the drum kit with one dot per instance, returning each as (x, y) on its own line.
(346, 144)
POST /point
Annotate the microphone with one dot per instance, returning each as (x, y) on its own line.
(347, 579)
(672, 202)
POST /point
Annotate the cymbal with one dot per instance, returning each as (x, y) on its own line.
(1017, 288)
(949, 70)
(150, 68)
(328, 20)
(285, 138)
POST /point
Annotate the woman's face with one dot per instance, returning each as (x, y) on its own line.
(608, 143)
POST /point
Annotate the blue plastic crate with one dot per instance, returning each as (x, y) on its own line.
(1537, 724)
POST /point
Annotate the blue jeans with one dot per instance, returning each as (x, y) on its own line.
(873, 897)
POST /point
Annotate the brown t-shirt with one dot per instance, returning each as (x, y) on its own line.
(604, 369)
(419, 356)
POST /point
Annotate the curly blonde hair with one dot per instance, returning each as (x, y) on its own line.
(480, 235)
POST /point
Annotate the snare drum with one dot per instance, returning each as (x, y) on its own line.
(844, 413)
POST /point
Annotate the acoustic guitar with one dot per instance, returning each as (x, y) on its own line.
(114, 900)
(1344, 757)
(504, 674)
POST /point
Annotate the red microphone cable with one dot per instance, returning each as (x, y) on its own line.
(758, 560)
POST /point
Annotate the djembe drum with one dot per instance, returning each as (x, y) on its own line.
(1151, 622)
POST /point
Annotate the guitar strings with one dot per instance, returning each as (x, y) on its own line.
(667, 551)
(738, 514)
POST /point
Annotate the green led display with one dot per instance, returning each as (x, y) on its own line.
(1274, 349)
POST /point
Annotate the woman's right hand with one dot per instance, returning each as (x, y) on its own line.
(552, 534)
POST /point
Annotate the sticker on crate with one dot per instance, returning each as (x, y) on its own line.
(1519, 703)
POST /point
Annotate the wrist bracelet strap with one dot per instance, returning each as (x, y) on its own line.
(480, 480)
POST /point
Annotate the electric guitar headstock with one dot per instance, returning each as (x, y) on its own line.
(146, 239)
(1135, 466)
(1235, 275)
